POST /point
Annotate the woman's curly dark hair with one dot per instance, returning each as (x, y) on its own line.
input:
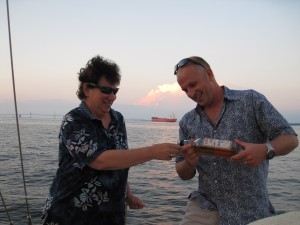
(95, 69)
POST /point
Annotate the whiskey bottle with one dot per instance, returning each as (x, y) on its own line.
(215, 147)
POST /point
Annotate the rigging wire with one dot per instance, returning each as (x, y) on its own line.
(16, 112)
(10, 221)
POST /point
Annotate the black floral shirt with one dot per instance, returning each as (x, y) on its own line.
(79, 194)
(237, 191)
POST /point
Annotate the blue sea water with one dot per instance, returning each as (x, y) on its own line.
(155, 182)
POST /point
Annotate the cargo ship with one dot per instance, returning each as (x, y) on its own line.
(163, 119)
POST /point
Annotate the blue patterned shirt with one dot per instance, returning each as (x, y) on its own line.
(237, 191)
(79, 194)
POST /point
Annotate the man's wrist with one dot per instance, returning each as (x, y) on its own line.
(270, 151)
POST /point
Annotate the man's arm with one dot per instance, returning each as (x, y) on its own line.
(255, 154)
(186, 168)
(284, 144)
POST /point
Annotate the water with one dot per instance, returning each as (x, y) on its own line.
(155, 182)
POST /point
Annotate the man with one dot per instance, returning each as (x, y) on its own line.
(231, 190)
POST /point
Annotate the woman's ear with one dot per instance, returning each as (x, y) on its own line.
(86, 89)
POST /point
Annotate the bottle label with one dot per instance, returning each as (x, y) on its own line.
(216, 143)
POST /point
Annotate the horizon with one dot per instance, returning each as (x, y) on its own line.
(132, 112)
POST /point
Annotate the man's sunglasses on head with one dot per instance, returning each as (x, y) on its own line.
(184, 62)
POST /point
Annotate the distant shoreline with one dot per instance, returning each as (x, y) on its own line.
(58, 116)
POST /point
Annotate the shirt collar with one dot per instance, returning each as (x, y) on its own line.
(87, 111)
(230, 94)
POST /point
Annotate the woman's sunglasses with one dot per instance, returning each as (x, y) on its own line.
(185, 61)
(104, 89)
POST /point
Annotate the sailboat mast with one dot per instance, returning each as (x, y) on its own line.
(16, 112)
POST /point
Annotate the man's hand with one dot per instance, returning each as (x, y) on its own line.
(253, 155)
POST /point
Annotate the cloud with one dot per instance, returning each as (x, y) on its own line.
(166, 95)
(162, 94)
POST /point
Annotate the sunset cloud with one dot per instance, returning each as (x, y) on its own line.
(171, 95)
(161, 94)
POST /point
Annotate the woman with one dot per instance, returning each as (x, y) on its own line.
(90, 186)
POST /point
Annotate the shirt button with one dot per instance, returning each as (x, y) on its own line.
(216, 181)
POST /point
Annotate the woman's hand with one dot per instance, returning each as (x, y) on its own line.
(134, 202)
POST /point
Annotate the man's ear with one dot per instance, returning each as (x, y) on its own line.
(210, 74)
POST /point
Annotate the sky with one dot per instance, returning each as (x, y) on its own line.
(250, 44)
